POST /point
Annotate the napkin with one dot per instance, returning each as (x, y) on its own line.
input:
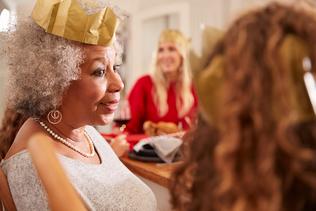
(166, 147)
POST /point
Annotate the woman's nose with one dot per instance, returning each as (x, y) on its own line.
(115, 83)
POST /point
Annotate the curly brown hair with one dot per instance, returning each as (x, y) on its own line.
(255, 160)
(11, 123)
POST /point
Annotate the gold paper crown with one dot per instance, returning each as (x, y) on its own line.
(174, 36)
(85, 21)
(210, 36)
(293, 52)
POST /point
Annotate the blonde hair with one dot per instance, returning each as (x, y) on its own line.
(185, 98)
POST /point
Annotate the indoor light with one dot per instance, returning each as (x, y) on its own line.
(4, 20)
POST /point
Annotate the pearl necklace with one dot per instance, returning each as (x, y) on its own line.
(69, 144)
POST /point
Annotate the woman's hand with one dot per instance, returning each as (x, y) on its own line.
(119, 145)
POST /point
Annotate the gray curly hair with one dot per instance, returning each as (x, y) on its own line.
(41, 67)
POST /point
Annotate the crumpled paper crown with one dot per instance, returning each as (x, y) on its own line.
(86, 21)
(176, 37)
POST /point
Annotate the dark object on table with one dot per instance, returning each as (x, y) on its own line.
(146, 154)
(146, 151)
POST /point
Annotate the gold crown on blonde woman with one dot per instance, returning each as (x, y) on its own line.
(86, 21)
(174, 36)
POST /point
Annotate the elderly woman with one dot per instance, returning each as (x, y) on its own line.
(64, 76)
(255, 146)
(167, 94)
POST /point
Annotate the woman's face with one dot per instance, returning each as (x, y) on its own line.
(94, 97)
(169, 59)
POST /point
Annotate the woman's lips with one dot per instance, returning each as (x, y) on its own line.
(110, 107)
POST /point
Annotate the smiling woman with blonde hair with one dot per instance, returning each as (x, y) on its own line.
(167, 94)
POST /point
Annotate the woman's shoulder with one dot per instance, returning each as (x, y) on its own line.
(24, 182)
(141, 86)
(17, 163)
(145, 79)
(28, 129)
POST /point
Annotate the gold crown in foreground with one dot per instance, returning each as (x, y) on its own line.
(293, 52)
(85, 21)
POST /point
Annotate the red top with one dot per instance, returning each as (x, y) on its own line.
(143, 108)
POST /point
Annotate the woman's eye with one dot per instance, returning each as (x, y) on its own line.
(160, 50)
(100, 72)
(116, 68)
(171, 49)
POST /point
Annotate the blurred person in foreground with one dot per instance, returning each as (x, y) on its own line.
(164, 101)
(255, 144)
(63, 75)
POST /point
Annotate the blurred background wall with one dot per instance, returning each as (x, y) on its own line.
(140, 31)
